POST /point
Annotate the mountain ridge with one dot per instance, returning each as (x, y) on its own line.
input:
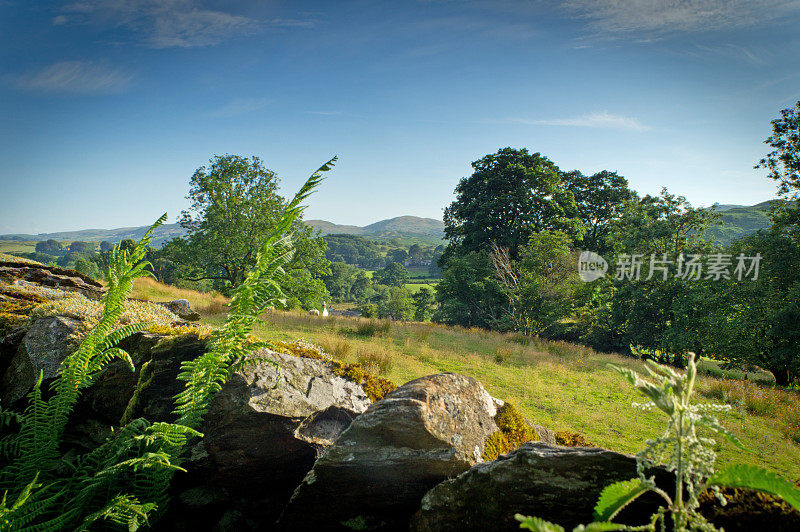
(398, 226)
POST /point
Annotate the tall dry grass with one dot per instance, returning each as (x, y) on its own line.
(206, 303)
(759, 400)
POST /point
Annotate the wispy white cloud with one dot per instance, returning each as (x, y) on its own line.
(599, 120)
(59, 20)
(78, 77)
(174, 23)
(617, 17)
(239, 106)
(738, 53)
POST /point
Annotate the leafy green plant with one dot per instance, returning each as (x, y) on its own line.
(683, 451)
(124, 480)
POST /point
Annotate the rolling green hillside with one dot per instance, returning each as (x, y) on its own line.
(741, 220)
(163, 233)
(401, 226)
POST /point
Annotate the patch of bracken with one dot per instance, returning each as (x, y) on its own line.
(513, 432)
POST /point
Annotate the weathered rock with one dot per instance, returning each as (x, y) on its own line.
(43, 348)
(157, 360)
(376, 472)
(260, 440)
(258, 433)
(545, 435)
(68, 280)
(180, 307)
(558, 484)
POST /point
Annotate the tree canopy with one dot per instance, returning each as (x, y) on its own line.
(510, 195)
(234, 207)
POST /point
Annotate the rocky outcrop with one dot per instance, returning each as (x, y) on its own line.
(181, 308)
(265, 426)
(558, 484)
(263, 431)
(20, 272)
(377, 471)
(150, 390)
(42, 349)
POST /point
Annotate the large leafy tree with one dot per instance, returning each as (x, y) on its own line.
(783, 161)
(661, 224)
(656, 313)
(600, 199)
(758, 322)
(510, 195)
(234, 208)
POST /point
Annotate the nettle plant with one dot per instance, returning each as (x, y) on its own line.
(682, 450)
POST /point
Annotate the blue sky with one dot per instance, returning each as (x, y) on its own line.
(108, 106)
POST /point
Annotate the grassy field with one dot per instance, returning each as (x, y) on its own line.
(413, 288)
(559, 385)
(13, 246)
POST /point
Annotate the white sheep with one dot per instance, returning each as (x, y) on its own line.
(313, 312)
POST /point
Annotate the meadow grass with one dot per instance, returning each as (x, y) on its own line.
(14, 246)
(413, 288)
(559, 385)
(149, 289)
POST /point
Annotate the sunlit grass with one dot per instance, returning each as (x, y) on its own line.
(559, 385)
(149, 289)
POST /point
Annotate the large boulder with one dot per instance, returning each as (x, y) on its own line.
(376, 472)
(265, 425)
(558, 484)
(263, 431)
(43, 348)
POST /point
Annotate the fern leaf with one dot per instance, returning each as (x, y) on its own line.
(756, 478)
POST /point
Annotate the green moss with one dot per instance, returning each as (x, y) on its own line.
(297, 350)
(16, 306)
(571, 439)
(9, 321)
(513, 432)
(170, 330)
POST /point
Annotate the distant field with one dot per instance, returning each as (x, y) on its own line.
(559, 385)
(12, 246)
(415, 287)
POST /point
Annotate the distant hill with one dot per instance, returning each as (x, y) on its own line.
(162, 234)
(400, 227)
(741, 220)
